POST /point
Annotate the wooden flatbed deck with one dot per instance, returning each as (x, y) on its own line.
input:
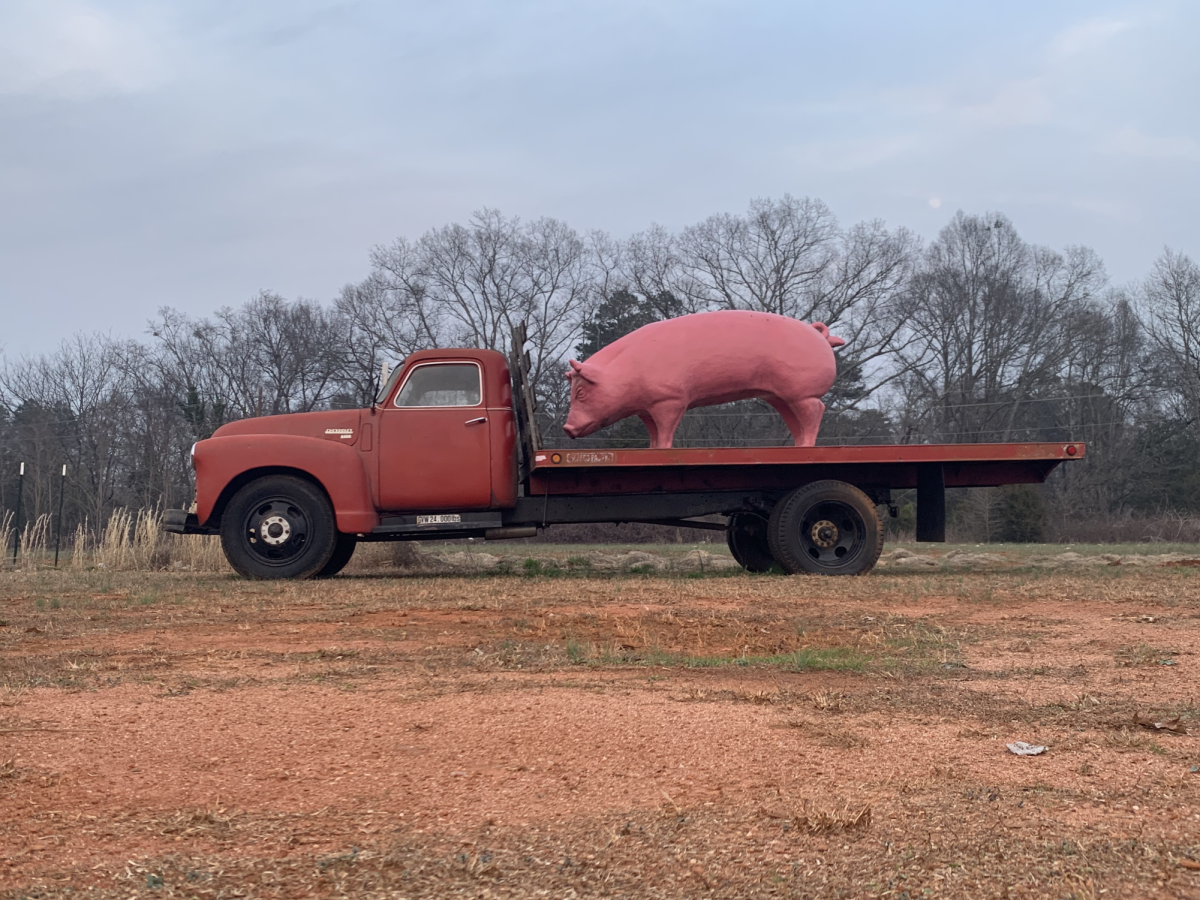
(880, 466)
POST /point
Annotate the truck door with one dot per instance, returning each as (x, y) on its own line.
(434, 445)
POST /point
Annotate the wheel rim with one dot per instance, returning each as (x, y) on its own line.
(749, 532)
(748, 542)
(276, 531)
(832, 534)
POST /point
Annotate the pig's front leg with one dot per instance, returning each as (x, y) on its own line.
(651, 428)
(661, 421)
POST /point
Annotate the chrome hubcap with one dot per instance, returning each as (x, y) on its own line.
(275, 530)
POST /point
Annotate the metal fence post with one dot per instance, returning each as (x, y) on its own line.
(62, 486)
(17, 518)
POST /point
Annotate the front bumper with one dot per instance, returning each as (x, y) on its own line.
(180, 521)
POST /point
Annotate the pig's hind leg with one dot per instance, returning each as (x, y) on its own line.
(802, 417)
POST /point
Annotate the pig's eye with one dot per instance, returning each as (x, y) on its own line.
(579, 394)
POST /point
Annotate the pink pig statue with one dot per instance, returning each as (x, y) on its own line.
(665, 368)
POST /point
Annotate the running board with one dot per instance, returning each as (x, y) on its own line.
(438, 523)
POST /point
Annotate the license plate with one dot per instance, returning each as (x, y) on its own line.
(449, 519)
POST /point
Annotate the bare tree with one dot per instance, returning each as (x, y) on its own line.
(268, 356)
(654, 265)
(773, 259)
(860, 297)
(1106, 388)
(375, 330)
(291, 347)
(987, 313)
(470, 284)
(1170, 302)
(86, 385)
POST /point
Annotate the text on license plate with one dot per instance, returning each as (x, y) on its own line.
(439, 520)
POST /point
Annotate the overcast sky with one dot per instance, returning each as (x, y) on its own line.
(189, 153)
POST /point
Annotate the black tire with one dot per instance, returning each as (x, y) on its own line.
(279, 526)
(341, 555)
(826, 528)
(746, 534)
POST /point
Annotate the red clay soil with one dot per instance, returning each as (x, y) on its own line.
(632, 736)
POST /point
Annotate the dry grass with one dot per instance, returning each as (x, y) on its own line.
(829, 701)
(827, 852)
(6, 533)
(908, 787)
(1144, 655)
(815, 819)
(128, 542)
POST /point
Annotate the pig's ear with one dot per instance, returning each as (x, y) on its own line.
(580, 369)
(823, 330)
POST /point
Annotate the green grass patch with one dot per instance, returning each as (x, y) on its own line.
(1144, 655)
(809, 659)
(823, 659)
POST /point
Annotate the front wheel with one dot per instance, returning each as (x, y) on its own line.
(826, 528)
(279, 526)
(341, 555)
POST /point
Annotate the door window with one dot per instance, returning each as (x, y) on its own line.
(455, 384)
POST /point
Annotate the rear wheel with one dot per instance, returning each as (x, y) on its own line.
(279, 526)
(746, 534)
(826, 528)
(341, 555)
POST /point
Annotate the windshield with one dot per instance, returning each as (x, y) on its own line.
(390, 383)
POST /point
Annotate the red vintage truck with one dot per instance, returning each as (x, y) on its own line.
(450, 449)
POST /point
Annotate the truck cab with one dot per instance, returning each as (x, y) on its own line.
(288, 492)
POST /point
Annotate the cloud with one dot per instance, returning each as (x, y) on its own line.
(74, 49)
(1090, 35)
(852, 154)
(1138, 144)
(1014, 103)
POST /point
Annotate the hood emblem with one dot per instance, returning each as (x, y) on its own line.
(345, 433)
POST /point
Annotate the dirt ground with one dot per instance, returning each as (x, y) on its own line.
(579, 734)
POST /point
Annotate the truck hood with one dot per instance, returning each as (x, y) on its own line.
(341, 425)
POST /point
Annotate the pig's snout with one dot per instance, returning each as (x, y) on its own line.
(576, 425)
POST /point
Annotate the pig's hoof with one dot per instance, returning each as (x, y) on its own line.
(826, 528)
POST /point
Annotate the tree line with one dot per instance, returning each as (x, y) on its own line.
(976, 336)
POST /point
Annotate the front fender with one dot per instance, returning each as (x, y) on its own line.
(337, 468)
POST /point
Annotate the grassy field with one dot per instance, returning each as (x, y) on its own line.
(561, 731)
